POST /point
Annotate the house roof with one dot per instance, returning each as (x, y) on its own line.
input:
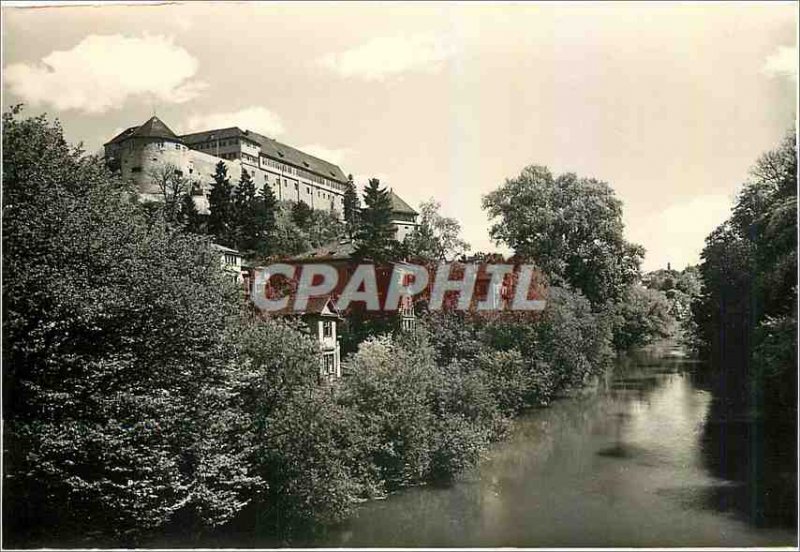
(400, 206)
(318, 306)
(338, 250)
(224, 249)
(322, 306)
(273, 149)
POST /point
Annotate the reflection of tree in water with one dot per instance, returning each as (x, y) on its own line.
(757, 455)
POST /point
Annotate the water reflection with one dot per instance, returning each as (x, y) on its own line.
(758, 457)
(650, 457)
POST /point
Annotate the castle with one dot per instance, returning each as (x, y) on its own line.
(293, 175)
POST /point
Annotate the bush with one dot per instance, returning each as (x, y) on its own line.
(644, 315)
(428, 422)
(309, 450)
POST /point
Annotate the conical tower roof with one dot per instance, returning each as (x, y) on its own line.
(155, 128)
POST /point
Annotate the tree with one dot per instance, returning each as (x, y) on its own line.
(116, 375)
(192, 220)
(301, 214)
(246, 215)
(265, 221)
(375, 236)
(748, 302)
(352, 207)
(172, 186)
(437, 237)
(571, 227)
(642, 316)
(221, 207)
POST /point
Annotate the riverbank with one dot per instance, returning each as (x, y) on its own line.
(630, 464)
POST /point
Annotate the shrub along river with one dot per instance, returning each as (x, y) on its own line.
(650, 456)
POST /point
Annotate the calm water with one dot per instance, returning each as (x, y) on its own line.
(649, 457)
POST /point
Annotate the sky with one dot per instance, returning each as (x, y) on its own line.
(671, 104)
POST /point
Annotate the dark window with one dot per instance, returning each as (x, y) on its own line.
(136, 169)
(328, 367)
(327, 328)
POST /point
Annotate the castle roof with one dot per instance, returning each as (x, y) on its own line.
(272, 149)
(155, 128)
(400, 206)
(124, 135)
(152, 128)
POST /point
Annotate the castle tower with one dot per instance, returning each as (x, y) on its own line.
(140, 152)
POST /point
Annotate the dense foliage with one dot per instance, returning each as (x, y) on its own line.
(572, 227)
(641, 316)
(314, 229)
(747, 313)
(113, 351)
(681, 289)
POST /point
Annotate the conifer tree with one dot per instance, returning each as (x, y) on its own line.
(221, 208)
(266, 206)
(191, 218)
(375, 236)
(245, 214)
(352, 207)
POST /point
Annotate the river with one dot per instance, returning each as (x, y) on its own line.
(647, 457)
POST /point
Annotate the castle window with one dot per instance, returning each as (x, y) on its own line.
(136, 169)
(327, 328)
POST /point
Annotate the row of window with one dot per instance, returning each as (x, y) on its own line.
(288, 169)
(215, 145)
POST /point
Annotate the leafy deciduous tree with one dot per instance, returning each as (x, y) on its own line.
(437, 237)
(571, 227)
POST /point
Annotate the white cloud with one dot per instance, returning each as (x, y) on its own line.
(333, 155)
(782, 63)
(102, 71)
(256, 118)
(384, 57)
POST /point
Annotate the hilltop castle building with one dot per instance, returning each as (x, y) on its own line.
(139, 151)
(293, 175)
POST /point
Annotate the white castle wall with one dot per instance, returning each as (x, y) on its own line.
(140, 157)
